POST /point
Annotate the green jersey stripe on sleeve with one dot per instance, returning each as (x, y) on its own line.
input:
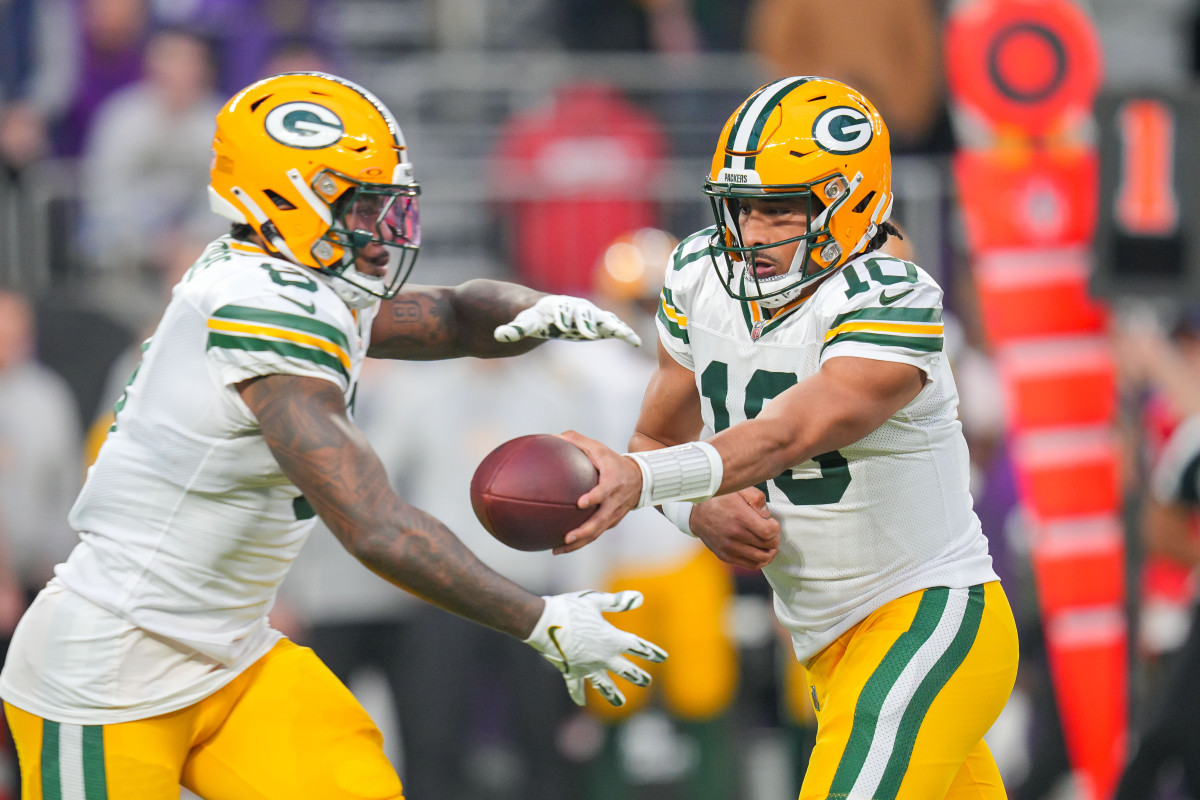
(287, 349)
(263, 316)
(673, 328)
(928, 344)
(681, 260)
(890, 314)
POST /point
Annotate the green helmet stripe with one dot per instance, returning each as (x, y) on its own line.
(746, 132)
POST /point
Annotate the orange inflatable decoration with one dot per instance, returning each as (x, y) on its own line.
(1026, 73)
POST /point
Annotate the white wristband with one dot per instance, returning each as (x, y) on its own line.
(680, 513)
(691, 471)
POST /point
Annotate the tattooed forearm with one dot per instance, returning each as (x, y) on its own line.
(430, 322)
(304, 422)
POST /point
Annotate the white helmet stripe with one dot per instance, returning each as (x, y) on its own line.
(316, 203)
(256, 211)
(818, 221)
(873, 227)
(766, 100)
(886, 212)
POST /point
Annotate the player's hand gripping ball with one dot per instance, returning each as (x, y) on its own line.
(525, 491)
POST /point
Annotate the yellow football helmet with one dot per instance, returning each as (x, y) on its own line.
(318, 167)
(805, 137)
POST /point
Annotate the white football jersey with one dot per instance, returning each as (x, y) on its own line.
(187, 523)
(882, 517)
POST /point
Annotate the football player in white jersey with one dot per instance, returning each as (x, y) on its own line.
(148, 660)
(803, 420)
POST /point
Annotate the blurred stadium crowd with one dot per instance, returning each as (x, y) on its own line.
(562, 144)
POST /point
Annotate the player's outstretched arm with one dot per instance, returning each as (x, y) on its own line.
(484, 319)
(321, 451)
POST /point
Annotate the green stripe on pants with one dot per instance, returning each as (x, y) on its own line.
(51, 783)
(875, 692)
(938, 677)
(95, 784)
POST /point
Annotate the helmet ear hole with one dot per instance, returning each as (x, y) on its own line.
(281, 202)
(862, 204)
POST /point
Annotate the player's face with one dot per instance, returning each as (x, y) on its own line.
(765, 220)
(370, 214)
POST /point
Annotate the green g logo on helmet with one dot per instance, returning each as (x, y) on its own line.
(842, 130)
(306, 126)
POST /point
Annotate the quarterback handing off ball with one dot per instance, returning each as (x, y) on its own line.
(525, 491)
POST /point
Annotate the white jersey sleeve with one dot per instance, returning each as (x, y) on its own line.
(892, 311)
(689, 264)
(278, 330)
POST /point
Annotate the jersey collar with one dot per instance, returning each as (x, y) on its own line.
(761, 321)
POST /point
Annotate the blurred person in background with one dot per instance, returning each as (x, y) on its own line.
(33, 75)
(1168, 739)
(39, 470)
(664, 26)
(248, 34)
(40, 451)
(681, 732)
(104, 46)
(835, 460)
(148, 661)
(573, 175)
(896, 60)
(36, 68)
(1167, 366)
(146, 160)
(298, 54)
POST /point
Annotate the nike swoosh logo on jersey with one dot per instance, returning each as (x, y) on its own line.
(885, 300)
(312, 307)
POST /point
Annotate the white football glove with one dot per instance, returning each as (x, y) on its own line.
(575, 638)
(560, 316)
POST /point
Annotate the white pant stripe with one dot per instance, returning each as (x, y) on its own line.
(70, 761)
(902, 692)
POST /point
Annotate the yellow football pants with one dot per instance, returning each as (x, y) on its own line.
(904, 698)
(684, 613)
(285, 729)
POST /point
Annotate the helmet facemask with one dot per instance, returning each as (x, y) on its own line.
(818, 251)
(380, 219)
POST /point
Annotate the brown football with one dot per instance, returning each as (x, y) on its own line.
(525, 491)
